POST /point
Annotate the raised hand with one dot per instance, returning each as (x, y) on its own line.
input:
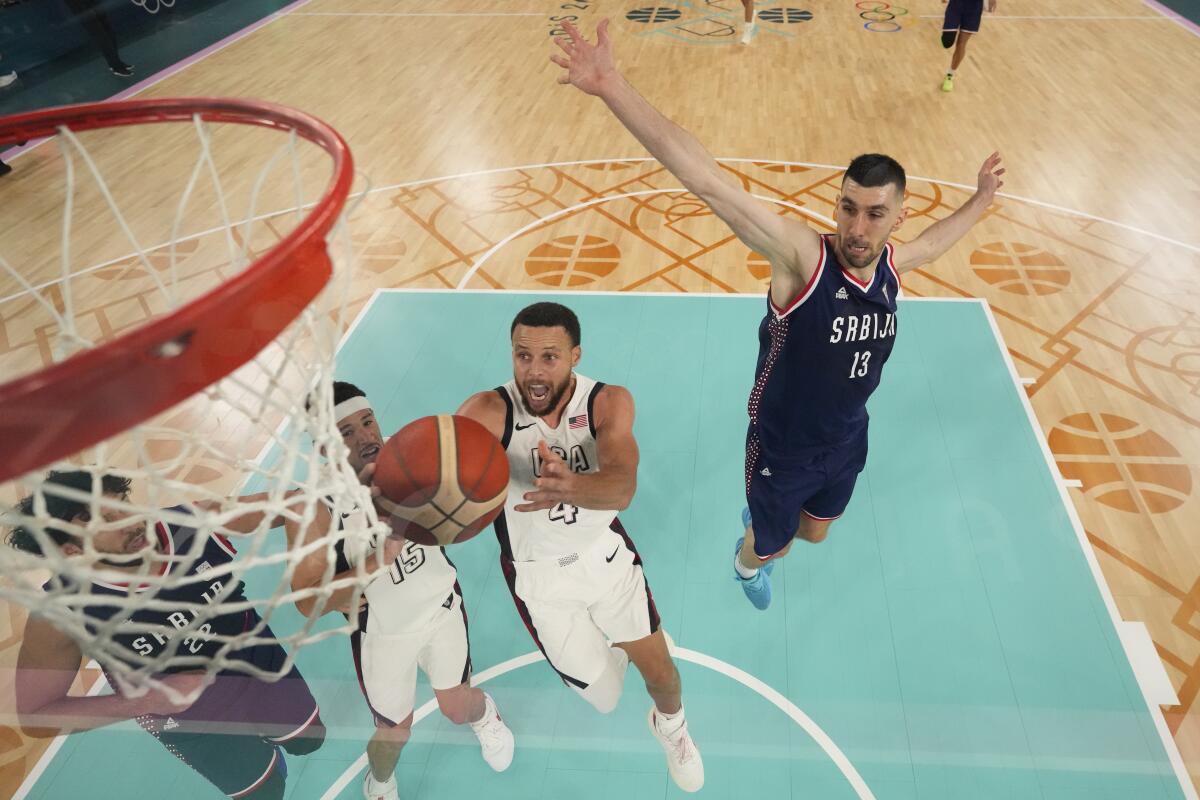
(588, 67)
(989, 177)
(554, 485)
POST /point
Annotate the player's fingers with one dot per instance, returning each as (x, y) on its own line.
(564, 79)
(562, 62)
(567, 47)
(573, 32)
(999, 172)
(602, 33)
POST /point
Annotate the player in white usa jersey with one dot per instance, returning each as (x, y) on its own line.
(574, 573)
(411, 615)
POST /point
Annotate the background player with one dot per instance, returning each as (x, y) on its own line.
(830, 322)
(573, 571)
(278, 715)
(410, 615)
(960, 23)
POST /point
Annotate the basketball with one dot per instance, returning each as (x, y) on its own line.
(445, 476)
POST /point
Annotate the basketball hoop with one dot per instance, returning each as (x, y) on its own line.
(177, 355)
(189, 351)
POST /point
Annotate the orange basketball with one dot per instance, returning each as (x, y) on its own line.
(445, 476)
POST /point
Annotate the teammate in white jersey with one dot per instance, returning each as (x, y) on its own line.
(410, 615)
(574, 573)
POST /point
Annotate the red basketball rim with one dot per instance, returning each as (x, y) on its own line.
(95, 394)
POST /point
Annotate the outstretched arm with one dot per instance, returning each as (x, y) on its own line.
(613, 486)
(46, 666)
(790, 245)
(941, 236)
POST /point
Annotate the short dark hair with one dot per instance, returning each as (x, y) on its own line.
(876, 169)
(342, 390)
(548, 315)
(63, 508)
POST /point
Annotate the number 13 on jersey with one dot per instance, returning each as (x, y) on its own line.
(859, 367)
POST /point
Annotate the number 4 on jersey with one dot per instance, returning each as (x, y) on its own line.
(564, 513)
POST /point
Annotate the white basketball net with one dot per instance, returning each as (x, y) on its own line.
(77, 287)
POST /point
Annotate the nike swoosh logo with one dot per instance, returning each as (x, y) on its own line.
(521, 427)
(614, 555)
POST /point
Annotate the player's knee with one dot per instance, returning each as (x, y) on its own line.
(604, 693)
(394, 735)
(270, 789)
(948, 38)
(308, 741)
(661, 675)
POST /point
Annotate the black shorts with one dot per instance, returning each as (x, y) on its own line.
(229, 735)
(963, 15)
(819, 487)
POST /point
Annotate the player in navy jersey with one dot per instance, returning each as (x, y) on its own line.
(233, 733)
(830, 322)
(959, 24)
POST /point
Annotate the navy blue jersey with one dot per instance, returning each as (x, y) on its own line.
(182, 602)
(821, 358)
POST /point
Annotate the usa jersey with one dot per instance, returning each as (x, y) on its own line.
(564, 529)
(407, 595)
(821, 357)
(148, 633)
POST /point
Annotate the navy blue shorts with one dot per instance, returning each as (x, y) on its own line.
(229, 734)
(963, 15)
(819, 487)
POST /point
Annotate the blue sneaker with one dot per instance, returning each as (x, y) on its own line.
(770, 565)
(758, 588)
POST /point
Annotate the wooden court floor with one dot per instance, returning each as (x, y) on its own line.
(485, 173)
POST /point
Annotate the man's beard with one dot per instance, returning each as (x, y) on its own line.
(554, 399)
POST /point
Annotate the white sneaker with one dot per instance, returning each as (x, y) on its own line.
(7, 78)
(495, 739)
(747, 32)
(374, 790)
(683, 759)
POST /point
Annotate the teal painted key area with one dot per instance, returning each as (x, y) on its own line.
(947, 642)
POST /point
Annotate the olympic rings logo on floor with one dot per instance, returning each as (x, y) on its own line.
(880, 17)
(154, 6)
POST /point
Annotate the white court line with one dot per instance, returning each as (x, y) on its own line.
(44, 762)
(700, 659)
(582, 162)
(1089, 555)
(810, 164)
(478, 264)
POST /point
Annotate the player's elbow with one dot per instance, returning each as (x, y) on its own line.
(37, 732)
(625, 495)
(33, 725)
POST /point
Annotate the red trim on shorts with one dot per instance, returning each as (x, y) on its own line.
(224, 544)
(356, 652)
(260, 781)
(619, 529)
(298, 731)
(510, 577)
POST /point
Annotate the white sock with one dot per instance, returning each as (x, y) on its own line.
(668, 723)
(950, 73)
(742, 572)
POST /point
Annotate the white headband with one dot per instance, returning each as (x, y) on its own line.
(351, 406)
